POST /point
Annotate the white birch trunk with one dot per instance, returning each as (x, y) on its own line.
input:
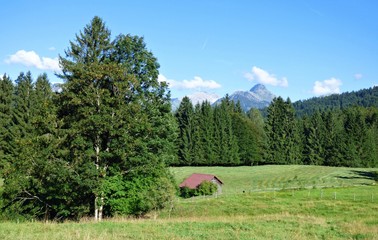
(99, 200)
(98, 207)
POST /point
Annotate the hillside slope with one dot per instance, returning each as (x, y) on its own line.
(365, 98)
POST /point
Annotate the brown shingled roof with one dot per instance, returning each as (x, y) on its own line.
(196, 179)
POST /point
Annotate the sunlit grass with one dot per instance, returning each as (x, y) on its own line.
(257, 215)
(269, 178)
(340, 212)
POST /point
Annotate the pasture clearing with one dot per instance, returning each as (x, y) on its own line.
(344, 211)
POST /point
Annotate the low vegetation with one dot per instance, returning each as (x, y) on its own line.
(341, 203)
(206, 188)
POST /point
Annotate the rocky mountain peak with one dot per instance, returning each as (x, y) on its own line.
(257, 97)
(258, 88)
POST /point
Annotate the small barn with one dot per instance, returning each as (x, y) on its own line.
(194, 180)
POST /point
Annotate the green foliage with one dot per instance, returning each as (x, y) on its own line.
(218, 135)
(282, 133)
(137, 196)
(106, 83)
(184, 116)
(363, 98)
(100, 146)
(186, 192)
(226, 146)
(206, 188)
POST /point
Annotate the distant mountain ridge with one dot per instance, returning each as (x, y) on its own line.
(257, 97)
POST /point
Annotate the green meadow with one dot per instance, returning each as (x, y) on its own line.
(280, 177)
(263, 202)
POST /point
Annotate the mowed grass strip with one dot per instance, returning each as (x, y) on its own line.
(273, 177)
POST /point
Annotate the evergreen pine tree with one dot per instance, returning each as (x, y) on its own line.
(208, 131)
(282, 133)
(314, 140)
(185, 115)
(258, 126)
(225, 140)
(334, 139)
(6, 109)
(114, 113)
(198, 153)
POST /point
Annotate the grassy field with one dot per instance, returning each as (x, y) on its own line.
(279, 202)
(269, 178)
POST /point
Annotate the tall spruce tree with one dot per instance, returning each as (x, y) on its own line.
(371, 146)
(314, 153)
(34, 179)
(208, 128)
(6, 109)
(259, 133)
(334, 139)
(185, 119)
(198, 153)
(18, 177)
(114, 113)
(282, 133)
(226, 146)
(243, 130)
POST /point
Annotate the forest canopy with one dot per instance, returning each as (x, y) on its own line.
(99, 146)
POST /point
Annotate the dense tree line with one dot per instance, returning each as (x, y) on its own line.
(347, 137)
(364, 98)
(224, 135)
(98, 147)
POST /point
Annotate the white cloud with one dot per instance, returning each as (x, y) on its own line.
(358, 76)
(52, 48)
(196, 83)
(32, 59)
(264, 77)
(327, 87)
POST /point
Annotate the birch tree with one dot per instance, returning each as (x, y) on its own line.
(116, 115)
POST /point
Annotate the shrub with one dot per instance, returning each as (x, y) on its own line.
(186, 192)
(205, 188)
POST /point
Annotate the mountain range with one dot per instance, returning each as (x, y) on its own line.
(257, 97)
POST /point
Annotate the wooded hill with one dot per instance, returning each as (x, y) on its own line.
(364, 98)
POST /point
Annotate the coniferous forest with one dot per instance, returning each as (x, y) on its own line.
(101, 145)
(97, 147)
(223, 135)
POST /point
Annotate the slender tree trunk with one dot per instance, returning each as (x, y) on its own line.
(96, 209)
(98, 201)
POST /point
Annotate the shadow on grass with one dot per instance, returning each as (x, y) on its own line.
(355, 174)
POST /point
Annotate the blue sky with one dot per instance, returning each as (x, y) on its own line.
(296, 48)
